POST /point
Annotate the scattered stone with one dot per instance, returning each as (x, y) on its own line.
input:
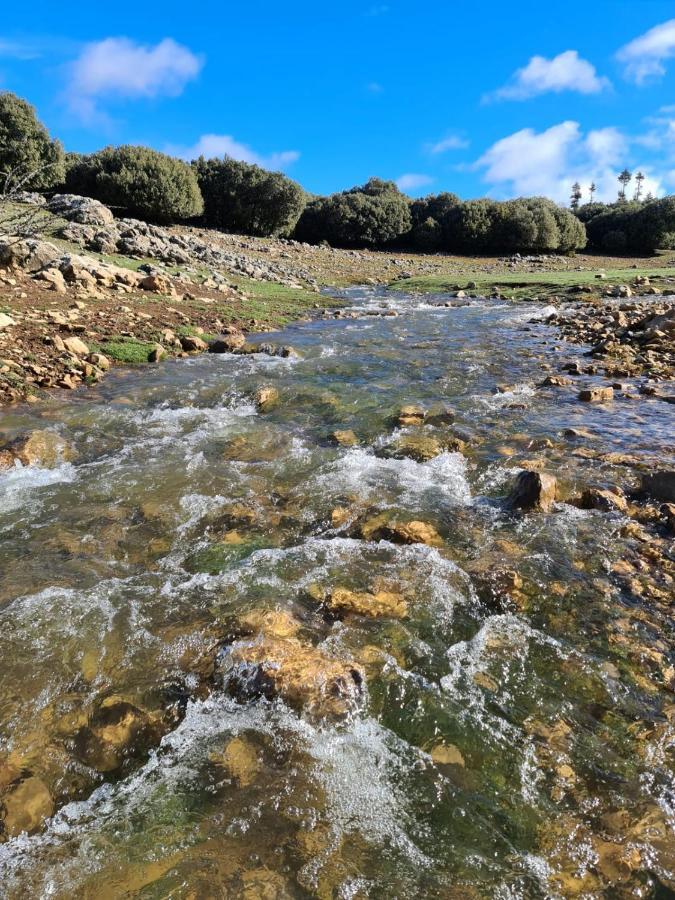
(228, 343)
(410, 415)
(602, 499)
(6, 321)
(193, 344)
(75, 346)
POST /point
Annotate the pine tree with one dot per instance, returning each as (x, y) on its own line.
(576, 195)
(592, 189)
(624, 181)
(639, 179)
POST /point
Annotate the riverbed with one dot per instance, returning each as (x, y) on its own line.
(510, 732)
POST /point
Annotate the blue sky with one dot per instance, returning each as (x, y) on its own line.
(480, 98)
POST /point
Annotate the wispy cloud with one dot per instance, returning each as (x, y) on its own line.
(374, 87)
(411, 181)
(451, 142)
(565, 72)
(549, 162)
(18, 50)
(218, 145)
(118, 67)
(643, 57)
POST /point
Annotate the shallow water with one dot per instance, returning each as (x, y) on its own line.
(498, 752)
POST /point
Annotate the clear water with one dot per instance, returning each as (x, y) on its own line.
(115, 581)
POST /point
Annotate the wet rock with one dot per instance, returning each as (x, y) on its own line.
(240, 761)
(193, 344)
(264, 884)
(100, 361)
(227, 343)
(668, 513)
(660, 484)
(596, 395)
(266, 398)
(157, 354)
(382, 527)
(410, 415)
(420, 447)
(497, 584)
(275, 663)
(533, 491)
(446, 755)
(555, 381)
(344, 438)
(602, 499)
(362, 603)
(117, 731)
(440, 416)
(25, 807)
(39, 448)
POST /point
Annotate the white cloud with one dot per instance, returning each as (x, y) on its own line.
(565, 72)
(452, 142)
(413, 180)
(217, 145)
(119, 67)
(548, 162)
(643, 57)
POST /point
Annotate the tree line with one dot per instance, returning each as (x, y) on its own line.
(243, 198)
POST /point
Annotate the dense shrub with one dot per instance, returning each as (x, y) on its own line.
(631, 227)
(246, 199)
(138, 181)
(373, 215)
(26, 149)
(430, 216)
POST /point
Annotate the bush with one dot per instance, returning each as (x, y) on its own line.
(26, 149)
(633, 227)
(246, 199)
(139, 182)
(436, 209)
(373, 215)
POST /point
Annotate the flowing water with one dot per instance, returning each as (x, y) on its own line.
(496, 751)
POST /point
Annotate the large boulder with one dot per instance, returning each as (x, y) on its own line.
(37, 448)
(84, 210)
(28, 254)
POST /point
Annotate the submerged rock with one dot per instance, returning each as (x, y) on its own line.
(603, 499)
(362, 603)
(382, 527)
(37, 448)
(25, 807)
(117, 730)
(274, 662)
(410, 415)
(533, 491)
(266, 398)
(344, 438)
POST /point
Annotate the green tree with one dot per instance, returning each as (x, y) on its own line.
(624, 181)
(576, 195)
(592, 189)
(28, 156)
(247, 199)
(639, 180)
(139, 182)
(373, 215)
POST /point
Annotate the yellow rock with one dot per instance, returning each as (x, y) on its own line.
(26, 807)
(362, 603)
(447, 755)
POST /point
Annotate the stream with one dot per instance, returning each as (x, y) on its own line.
(489, 747)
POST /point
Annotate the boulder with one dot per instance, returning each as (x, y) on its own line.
(420, 447)
(6, 321)
(75, 346)
(84, 210)
(28, 254)
(193, 344)
(227, 343)
(596, 395)
(660, 484)
(53, 278)
(100, 361)
(533, 491)
(158, 284)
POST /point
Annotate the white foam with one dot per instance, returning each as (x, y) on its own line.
(15, 483)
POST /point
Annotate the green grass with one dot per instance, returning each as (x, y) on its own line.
(128, 351)
(528, 284)
(272, 305)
